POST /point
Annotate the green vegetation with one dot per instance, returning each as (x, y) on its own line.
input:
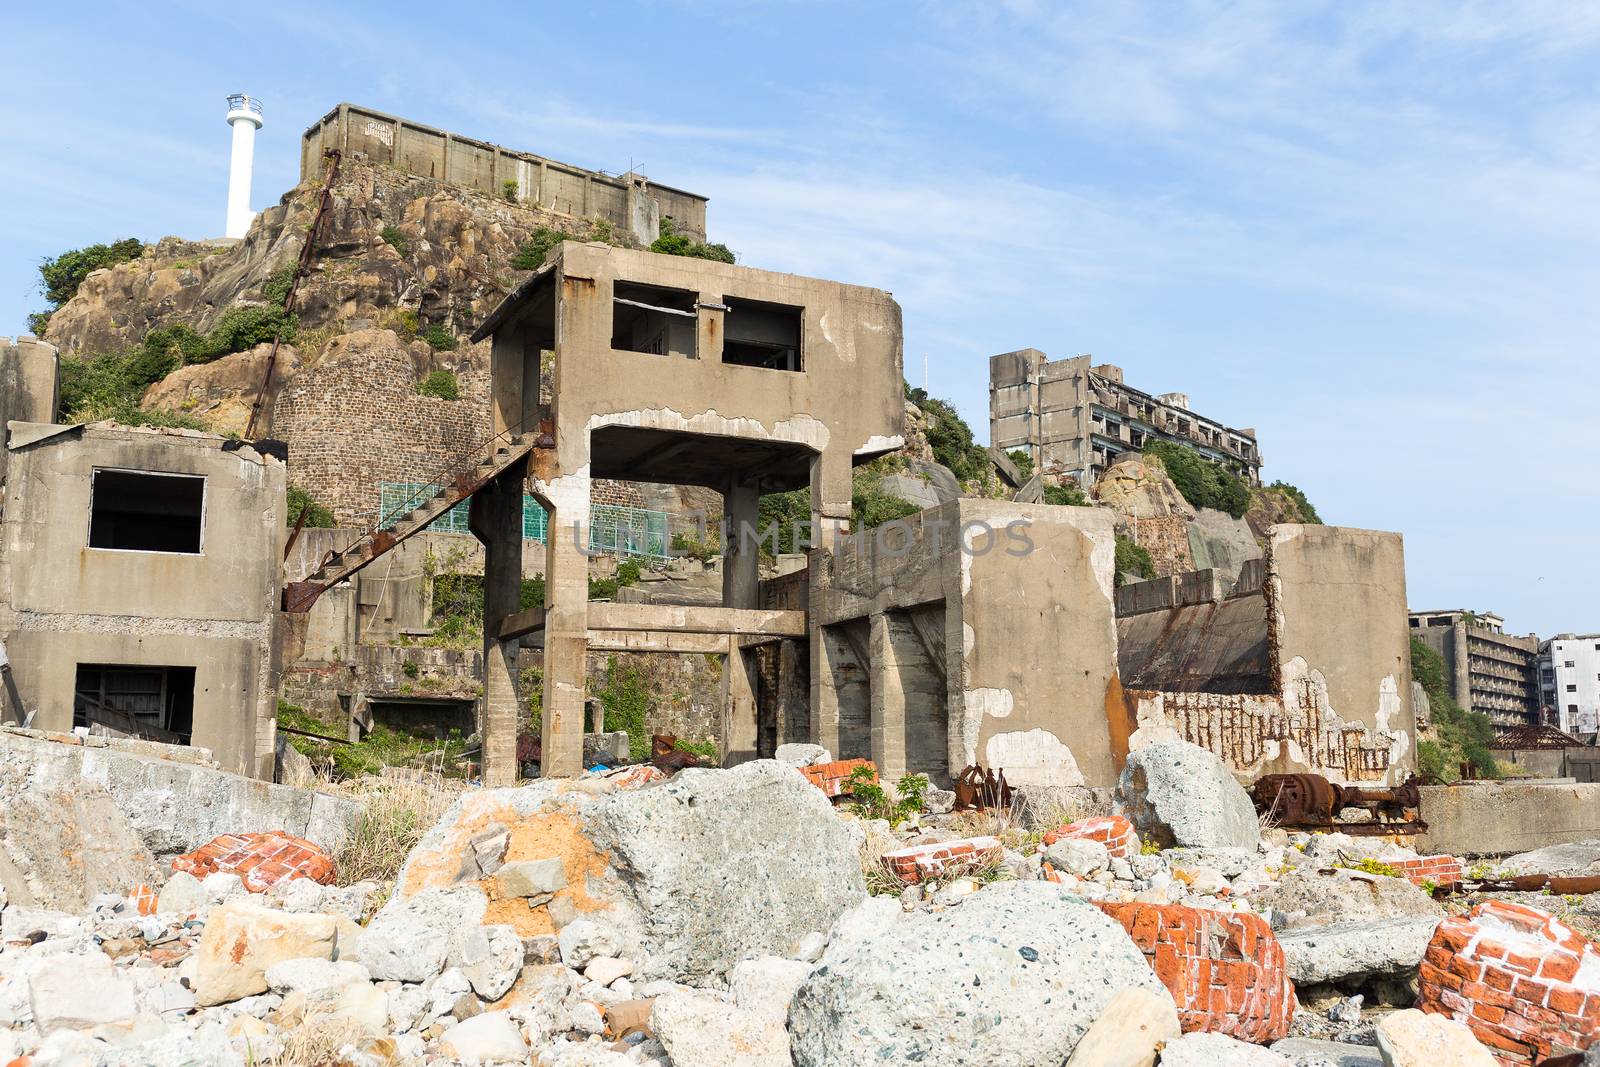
(706, 750)
(110, 387)
(396, 240)
(62, 275)
(439, 338)
(1203, 483)
(1069, 495)
(871, 800)
(1133, 558)
(275, 290)
(1024, 461)
(532, 253)
(457, 604)
(626, 700)
(673, 243)
(1459, 736)
(382, 747)
(628, 572)
(440, 384)
(693, 546)
(951, 438)
(1308, 514)
(316, 515)
(508, 189)
(870, 506)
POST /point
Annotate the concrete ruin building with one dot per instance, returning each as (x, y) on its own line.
(630, 202)
(992, 633)
(681, 371)
(1075, 417)
(1487, 670)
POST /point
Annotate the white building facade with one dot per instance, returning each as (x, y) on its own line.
(1569, 681)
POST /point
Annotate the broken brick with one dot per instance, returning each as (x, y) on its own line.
(1112, 831)
(919, 863)
(830, 777)
(1538, 977)
(1225, 970)
(260, 860)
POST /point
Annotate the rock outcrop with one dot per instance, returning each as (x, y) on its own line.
(1178, 794)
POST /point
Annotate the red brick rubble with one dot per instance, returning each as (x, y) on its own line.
(261, 860)
(1225, 970)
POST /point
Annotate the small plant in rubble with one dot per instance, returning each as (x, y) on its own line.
(872, 800)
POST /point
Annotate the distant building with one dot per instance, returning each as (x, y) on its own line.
(1569, 681)
(1075, 418)
(1488, 670)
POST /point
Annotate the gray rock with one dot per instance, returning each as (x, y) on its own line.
(1574, 857)
(530, 878)
(1411, 1038)
(765, 985)
(1221, 542)
(1015, 976)
(1318, 955)
(868, 918)
(583, 939)
(1178, 794)
(1078, 856)
(701, 1032)
(74, 992)
(492, 1037)
(726, 864)
(927, 485)
(1306, 897)
(182, 895)
(1310, 1052)
(484, 854)
(801, 755)
(310, 975)
(411, 939)
(1215, 1050)
(1230, 862)
(491, 958)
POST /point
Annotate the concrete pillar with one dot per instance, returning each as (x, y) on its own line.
(794, 693)
(566, 627)
(825, 654)
(832, 490)
(888, 701)
(496, 520)
(741, 560)
(738, 706)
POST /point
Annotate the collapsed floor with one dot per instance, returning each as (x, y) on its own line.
(632, 917)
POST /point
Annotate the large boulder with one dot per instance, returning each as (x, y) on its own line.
(1221, 542)
(1411, 1038)
(726, 864)
(243, 940)
(1015, 975)
(705, 1032)
(1130, 1033)
(1305, 897)
(1176, 793)
(1379, 948)
(1215, 1050)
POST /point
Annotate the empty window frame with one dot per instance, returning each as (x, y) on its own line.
(137, 511)
(758, 334)
(156, 703)
(647, 318)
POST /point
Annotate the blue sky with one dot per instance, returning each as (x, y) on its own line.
(1368, 230)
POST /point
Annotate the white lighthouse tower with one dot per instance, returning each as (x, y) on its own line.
(244, 115)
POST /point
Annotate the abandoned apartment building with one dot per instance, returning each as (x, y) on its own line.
(1074, 417)
(1486, 669)
(139, 576)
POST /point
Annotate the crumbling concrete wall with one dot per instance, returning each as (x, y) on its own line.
(1504, 817)
(1311, 675)
(63, 603)
(1004, 610)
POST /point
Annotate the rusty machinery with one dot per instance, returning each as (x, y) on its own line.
(1311, 802)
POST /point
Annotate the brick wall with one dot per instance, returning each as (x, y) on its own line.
(1167, 540)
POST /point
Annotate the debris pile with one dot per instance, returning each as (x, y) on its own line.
(632, 918)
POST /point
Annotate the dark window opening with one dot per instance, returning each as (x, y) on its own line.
(645, 318)
(155, 703)
(756, 334)
(142, 512)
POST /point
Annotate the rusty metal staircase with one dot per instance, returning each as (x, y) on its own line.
(426, 505)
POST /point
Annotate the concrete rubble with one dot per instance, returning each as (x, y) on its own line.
(738, 917)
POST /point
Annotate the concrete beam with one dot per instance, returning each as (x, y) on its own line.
(657, 641)
(521, 623)
(741, 622)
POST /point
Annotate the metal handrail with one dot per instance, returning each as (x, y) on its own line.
(243, 102)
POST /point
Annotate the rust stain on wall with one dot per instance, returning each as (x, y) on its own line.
(1121, 720)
